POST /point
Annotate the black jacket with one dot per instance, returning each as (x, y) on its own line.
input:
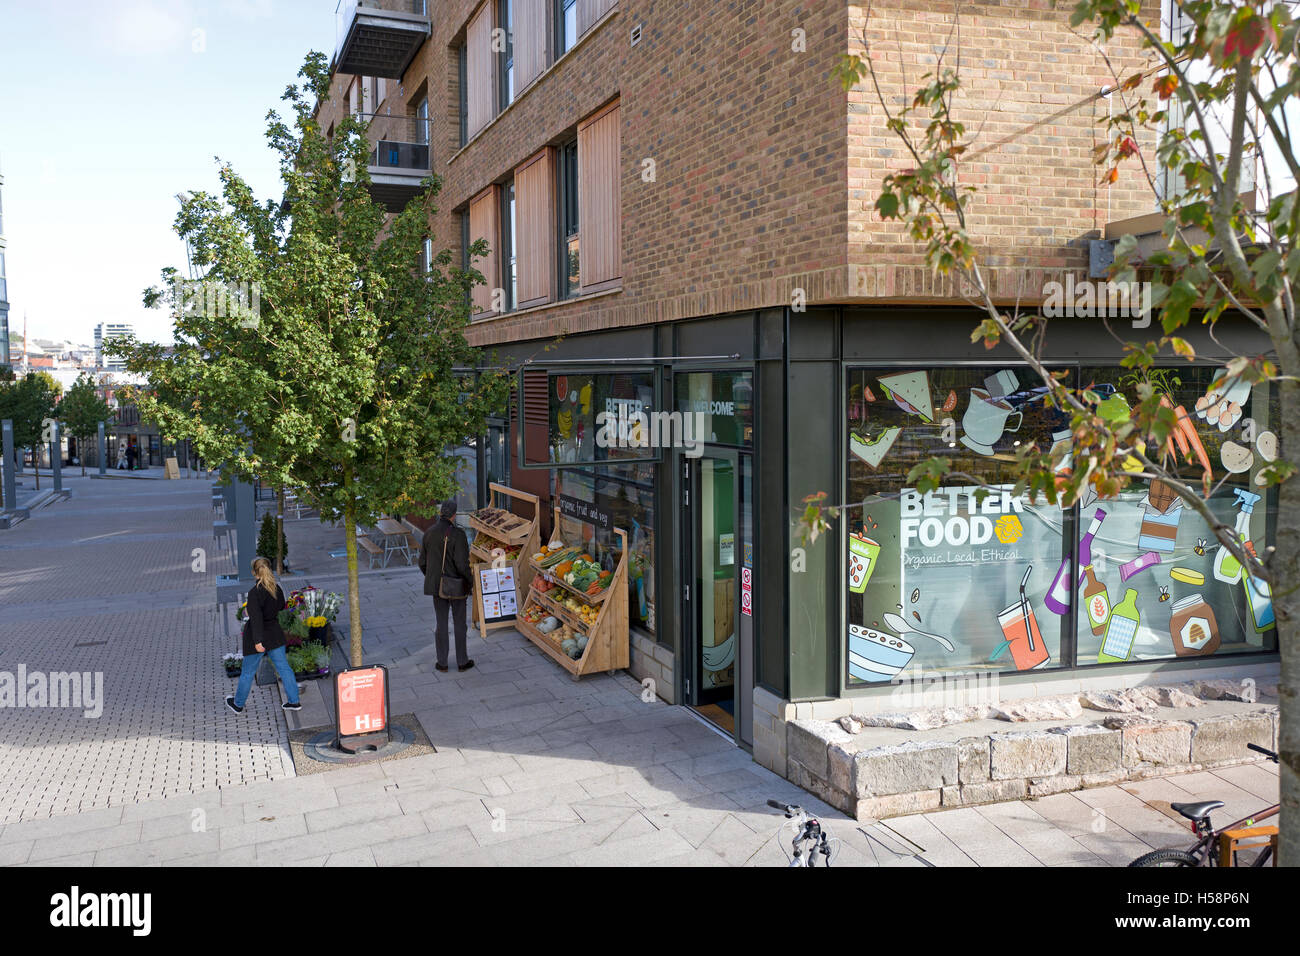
(457, 555)
(264, 619)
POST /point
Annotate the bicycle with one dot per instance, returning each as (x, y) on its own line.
(1220, 847)
(808, 830)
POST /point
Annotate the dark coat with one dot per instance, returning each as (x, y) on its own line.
(457, 556)
(264, 620)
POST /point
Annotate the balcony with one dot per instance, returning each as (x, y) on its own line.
(379, 37)
(399, 160)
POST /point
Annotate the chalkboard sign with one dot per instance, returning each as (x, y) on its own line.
(495, 591)
(586, 511)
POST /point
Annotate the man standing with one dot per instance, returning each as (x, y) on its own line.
(444, 561)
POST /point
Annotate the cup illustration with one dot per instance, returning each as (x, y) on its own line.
(863, 554)
(985, 421)
(1020, 630)
(876, 655)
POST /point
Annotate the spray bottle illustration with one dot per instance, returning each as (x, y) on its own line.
(1226, 567)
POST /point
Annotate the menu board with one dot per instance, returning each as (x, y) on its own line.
(496, 594)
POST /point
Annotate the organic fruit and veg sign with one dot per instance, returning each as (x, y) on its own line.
(585, 511)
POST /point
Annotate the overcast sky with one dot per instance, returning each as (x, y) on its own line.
(112, 107)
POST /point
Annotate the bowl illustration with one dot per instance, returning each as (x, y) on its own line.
(876, 655)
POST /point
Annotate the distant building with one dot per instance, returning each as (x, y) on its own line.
(103, 332)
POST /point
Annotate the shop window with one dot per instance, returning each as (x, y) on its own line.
(602, 417)
(946, 581)
(624, 495)
(723, 403)
(1160, 585)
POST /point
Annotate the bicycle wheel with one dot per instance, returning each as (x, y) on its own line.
(1166, 857)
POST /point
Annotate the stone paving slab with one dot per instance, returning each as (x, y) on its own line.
(531, 768)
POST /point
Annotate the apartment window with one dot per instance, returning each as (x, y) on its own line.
(422, 122)
(481, 66)
(506, 54)
(566, 26)
(567, 220)
(509, 264)
(426, 256)
(462, 73)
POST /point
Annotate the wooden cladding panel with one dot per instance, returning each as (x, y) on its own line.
(535, 222)
(480, 68)
(484, 216)
(589, 11)
(599, 197)
(529, 41)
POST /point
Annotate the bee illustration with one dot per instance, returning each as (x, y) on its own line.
(1164, 593)
(1200, 547)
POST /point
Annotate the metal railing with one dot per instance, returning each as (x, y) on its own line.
(399, 142)
(346, 12)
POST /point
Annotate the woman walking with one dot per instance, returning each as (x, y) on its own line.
(262, 635)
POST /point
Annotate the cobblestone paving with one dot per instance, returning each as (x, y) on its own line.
(104, 583)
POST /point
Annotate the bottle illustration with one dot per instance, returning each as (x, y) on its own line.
(1121, 630)
(1058, 597)
(1259, 597)
(1226, 567)
(1096, 601)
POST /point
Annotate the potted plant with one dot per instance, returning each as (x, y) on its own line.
(233, 663)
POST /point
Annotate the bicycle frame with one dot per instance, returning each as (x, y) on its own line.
(1206, 848)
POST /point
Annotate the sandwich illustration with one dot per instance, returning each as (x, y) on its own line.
(873, 450)
(910, 392)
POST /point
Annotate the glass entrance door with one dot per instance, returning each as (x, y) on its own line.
(712, 594)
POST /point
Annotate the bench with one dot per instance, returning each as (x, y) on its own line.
(370, 548)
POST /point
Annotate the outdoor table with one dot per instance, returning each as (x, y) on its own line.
(395, 537)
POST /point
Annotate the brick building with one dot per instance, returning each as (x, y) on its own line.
(678, 201)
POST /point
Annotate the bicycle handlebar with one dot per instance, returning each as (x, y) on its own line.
(1262, 750)
(777, 805)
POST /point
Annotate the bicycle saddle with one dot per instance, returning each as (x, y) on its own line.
(1197, 811)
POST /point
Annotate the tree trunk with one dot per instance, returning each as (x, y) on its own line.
(36, 466)
(279, 530)
(1286, 607)
(354, 591)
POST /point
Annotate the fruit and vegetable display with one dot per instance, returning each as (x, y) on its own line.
(500, 520)
(549, 557)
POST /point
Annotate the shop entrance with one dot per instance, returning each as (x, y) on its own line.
(714, 644)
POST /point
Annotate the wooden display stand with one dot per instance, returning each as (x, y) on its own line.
(522, 532)
(607, 637)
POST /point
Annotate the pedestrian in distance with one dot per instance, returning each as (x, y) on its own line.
(130, 458)
(121, 457)
(444, 562)
(264, 636)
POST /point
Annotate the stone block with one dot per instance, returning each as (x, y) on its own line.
(973, 759)
(1160, 743)
(950, 796)
(903, 768)
(994, 791)
(1038, 708)
(1090, 749)
(1224, 738)
(1022, 755)
(1107, 779)
(1046, 786)
(839, 761)
(897, 804)
(806, 742)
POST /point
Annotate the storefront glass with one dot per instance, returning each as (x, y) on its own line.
(623, 494)
(723, 403)
(947, 582)
(607, 416)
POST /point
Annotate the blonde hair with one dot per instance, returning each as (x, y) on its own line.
(264, 575)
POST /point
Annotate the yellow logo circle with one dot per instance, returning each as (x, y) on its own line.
(1008, 529)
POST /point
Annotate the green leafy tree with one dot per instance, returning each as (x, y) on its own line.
(81, 410)
(1211, 116)
(30, 401)
(335, 372)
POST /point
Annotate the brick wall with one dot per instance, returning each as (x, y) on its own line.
(765, 171)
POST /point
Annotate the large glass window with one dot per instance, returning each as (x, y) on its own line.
(1159, 584)
(566, 25)
(506, 61)
(945, 581)
(723, 403)
(509, 265)
(623, 494)
(606, 416)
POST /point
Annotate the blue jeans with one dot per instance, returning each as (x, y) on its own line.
(248, 670)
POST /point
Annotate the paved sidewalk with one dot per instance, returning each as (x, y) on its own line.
(532, 767)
